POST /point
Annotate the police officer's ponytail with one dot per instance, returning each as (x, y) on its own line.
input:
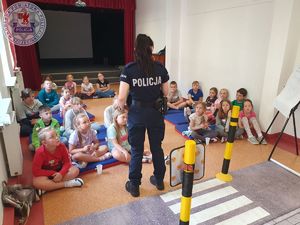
(143, 54)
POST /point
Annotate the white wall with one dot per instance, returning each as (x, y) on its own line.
(292, 58)
(151, 20)
(225, 45)
(281, 61)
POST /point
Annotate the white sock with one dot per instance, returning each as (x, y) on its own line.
(77, 182)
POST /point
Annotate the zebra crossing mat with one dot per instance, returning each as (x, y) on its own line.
(256, 195)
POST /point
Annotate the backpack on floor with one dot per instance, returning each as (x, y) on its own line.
(19, 197)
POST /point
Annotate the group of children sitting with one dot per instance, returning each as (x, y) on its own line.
(102, 87)
(60, 151)
(211, 118)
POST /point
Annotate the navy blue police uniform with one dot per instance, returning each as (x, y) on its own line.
(144, 90)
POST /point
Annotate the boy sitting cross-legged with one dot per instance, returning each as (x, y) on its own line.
(46, 120)
(48, 96)
(175, 100)
(51, 166)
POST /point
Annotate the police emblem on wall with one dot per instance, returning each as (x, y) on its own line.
(24, 23)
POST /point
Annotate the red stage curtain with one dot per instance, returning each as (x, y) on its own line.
(27, 57)
(28, 61)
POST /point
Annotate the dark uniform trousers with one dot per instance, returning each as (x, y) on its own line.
(141, 119)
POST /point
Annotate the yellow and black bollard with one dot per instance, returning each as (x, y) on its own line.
(224, 176)
(187, 182)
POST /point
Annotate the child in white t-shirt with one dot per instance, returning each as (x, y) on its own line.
(87, 89)
(199, 124)
(175, 100)
(84, 146)
(64, 101)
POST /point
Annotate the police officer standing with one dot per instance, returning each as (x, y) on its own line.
(144, 81)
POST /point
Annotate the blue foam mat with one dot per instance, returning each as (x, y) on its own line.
(101, 135)
(92, 165)
(173, 111)
(60, 119)
(176, 117)
(181, 127)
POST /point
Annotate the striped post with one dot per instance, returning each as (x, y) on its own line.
(187, 183)
(224, 176)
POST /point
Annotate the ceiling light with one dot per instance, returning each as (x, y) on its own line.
(80, 3)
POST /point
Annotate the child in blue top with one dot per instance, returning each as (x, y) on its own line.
(195, 94)
(48, 96)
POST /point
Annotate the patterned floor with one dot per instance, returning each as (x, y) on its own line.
(257, 195)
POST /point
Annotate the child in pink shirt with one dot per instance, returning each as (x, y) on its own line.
(70, 84)
(247, 120)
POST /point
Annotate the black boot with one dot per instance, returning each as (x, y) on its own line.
(134, 190)
(159, 185)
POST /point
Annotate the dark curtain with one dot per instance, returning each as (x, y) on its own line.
(108, 28)
(27, 56)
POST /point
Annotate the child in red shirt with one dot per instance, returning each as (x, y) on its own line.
(51, 167)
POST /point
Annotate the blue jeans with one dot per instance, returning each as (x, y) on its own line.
(140, 120)
(105, 94)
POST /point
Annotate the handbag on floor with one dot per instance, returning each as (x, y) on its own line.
(19, 197)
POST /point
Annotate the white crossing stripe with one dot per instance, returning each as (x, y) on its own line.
(196, 188)
(206, 198)
(218, 210)
(246, 217)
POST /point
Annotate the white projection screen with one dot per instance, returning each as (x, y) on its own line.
(68, 35)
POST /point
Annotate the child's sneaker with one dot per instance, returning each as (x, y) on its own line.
(214, 140)
(223, 139)
(253, 140)
(82, 165)
(107, 155)
(77, 182)
(184, 112)
(188, 111)
(241, 137)
(263, 140)
(40, 192)
(146, 159)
